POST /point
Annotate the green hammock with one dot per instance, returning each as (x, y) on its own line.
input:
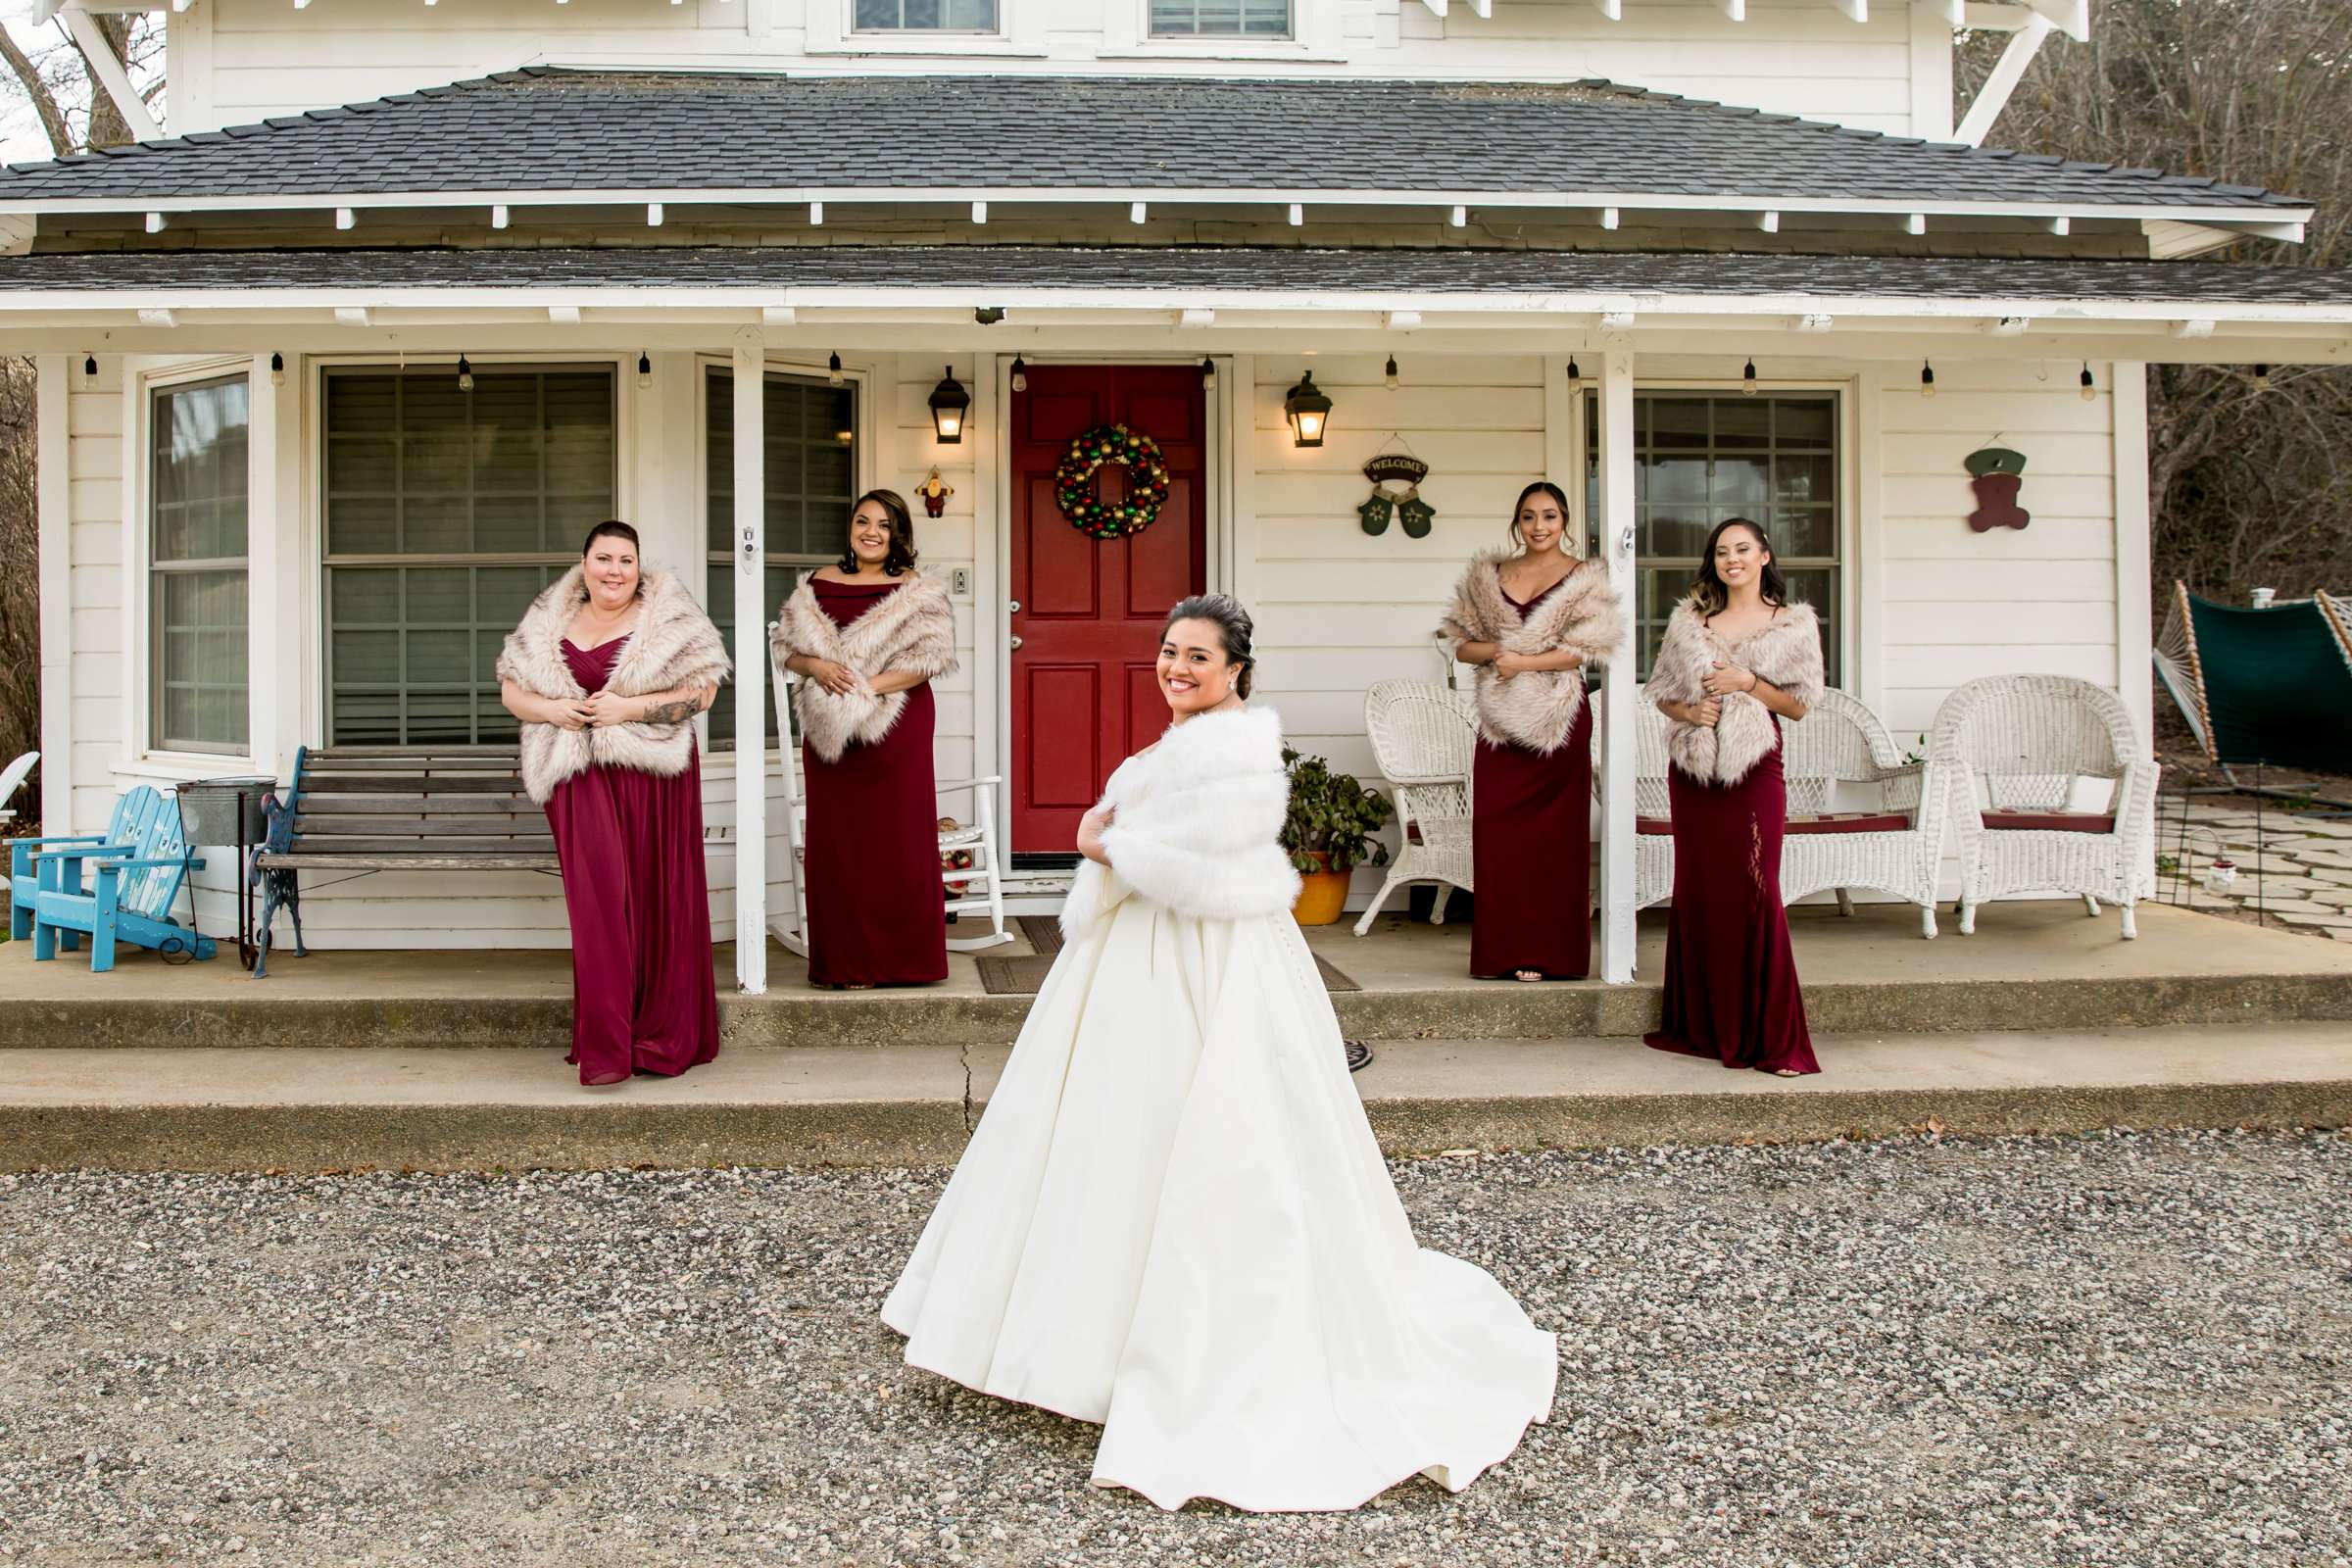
(2262, 686)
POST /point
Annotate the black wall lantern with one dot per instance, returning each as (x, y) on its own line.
(1308, 411)
(948, 401)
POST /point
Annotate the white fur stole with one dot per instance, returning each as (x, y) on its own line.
(1536, 708)
(674, 645)
(1195, 825)
(911, 630)
(1785, 650)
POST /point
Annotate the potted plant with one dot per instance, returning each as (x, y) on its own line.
(1328, 832)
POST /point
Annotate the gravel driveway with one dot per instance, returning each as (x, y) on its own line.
(2126, 1348)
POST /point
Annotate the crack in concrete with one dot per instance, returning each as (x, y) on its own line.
(964, 1055)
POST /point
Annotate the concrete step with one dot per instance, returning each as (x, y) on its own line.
(293, 1109)
(2031, 966)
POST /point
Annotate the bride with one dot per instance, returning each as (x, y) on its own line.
(1173, 1220)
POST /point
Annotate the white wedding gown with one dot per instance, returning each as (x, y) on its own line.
(1174, 1221)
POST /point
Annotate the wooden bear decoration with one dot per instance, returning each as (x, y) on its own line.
(1998, 473)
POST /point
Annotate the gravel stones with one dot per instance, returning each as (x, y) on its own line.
(2124, 1348)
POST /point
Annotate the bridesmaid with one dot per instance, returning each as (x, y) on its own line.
(606, 671)
(1737, 660)
(866, 635)
(1531, 620)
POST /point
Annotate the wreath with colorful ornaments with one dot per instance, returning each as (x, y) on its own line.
(1148, 481)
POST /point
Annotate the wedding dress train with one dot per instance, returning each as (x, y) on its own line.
(1173, 1219)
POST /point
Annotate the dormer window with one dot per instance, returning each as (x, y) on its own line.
(927, 16)
(1220, 18)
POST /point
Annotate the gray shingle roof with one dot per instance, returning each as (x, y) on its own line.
(1181, 267)
(570, 130)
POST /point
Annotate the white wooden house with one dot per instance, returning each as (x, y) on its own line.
(704, 263)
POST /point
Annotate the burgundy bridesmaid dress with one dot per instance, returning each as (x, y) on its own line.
(877, 912)
(643, 996)
(1530, 853)
(1730, 976)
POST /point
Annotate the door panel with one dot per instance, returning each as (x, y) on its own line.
(1083, 690)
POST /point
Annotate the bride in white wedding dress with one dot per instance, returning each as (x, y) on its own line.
(1173, 1219)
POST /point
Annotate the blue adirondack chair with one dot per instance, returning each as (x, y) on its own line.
(135, 869)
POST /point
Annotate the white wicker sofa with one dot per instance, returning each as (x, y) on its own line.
(2012, 748)
(1892, 843)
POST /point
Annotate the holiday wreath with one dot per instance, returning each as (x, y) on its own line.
(1147, 483)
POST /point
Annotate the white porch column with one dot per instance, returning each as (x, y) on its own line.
(53, 475)
(1616, 527)
(751, 669)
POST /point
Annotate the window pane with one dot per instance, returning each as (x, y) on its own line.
(1255, 19)
(417, 467)
(1699, 460)
(810, 464)
(197, 512)
(924, 16)
(782, 579)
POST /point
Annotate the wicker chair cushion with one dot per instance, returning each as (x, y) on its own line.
(2050, 821)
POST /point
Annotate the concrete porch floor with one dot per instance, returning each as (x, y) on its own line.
(2032, 965)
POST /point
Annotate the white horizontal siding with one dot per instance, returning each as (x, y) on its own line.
(238, 61)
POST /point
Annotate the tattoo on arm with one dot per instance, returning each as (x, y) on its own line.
(676, 712)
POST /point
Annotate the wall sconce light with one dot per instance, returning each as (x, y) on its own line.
(949, 403)
(277, 369)
(1307, 410)
(833, 370)
(1747, 380)
(1208, 375)
(2091, 388)
(1926, 380)
(1390, 375)
(1021, 373)
(465, 374)
(645, 368)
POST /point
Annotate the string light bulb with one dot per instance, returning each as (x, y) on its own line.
(277, 369)
(2262, 378)
(1926, 380)
(89, 366)
(1576, 377)
(833, 370)
(1208, 375)
(1747, 380)
(2091, 388)
(465, 374)
(1021, 373)
(645, 368)
(1390, 375)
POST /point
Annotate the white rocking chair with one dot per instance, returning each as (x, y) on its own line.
(983, 879)
(1422, 739)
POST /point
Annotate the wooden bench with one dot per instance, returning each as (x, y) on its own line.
(367, 808)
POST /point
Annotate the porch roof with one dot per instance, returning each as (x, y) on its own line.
(548, 134)
(1197, 273)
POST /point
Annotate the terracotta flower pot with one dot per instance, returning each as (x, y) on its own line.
(1322, 894)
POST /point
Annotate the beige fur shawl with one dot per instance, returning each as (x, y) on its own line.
(1536, 709)
(911, 631)
(1785, 650)
(674, 645)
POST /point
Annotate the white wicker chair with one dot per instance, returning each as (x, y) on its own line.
(2011, 748)
(1423, 736)
(1840, 741)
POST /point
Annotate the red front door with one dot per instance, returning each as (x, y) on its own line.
(1089, 618)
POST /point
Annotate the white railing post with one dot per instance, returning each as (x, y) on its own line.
(1618, 747)
(751, 667)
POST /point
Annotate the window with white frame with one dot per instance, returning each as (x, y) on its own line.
(1702, 457)
(810, 454)
(196, 530)
(925, 15)
(1220, 18)
(446, 511)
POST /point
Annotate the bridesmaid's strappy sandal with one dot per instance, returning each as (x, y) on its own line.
(1528, 975)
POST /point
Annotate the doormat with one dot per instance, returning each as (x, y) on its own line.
(1044, 932)
(1020, 977)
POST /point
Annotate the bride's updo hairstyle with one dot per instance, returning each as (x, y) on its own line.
(1234, 628)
